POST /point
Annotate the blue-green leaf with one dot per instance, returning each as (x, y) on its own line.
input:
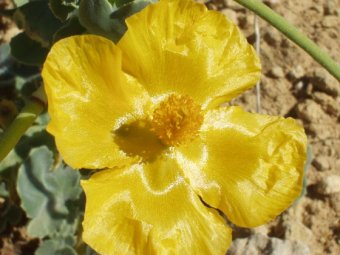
(38, 22)
(129, 9)
(55, 247)
(28, 51)
(71, 27)
(49, 195)
(120, 3)
(94, 15)
(60, 9)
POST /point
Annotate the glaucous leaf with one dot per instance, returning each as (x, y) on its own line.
(71, 27)
(49, 195)
(129, 9)
(60, 9)
(94, 15)
(27, 51)
(38, 21)
(56, 247)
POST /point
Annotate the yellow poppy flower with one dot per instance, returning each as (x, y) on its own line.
(146, 111)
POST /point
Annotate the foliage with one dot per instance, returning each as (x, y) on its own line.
(27, 50)
(46, 21)
(51, 198)
(10, 212)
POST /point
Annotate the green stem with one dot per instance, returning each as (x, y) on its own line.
(293, 34)
(19, 126)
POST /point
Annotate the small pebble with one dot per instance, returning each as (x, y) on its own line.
(325, 82)
(335, 202)
(329, 185)
(311, 112)
(330, 21)
(233, 5)
(328, 103)
(322, 163)
(277, 72)
(296, 73)
(230, 14)
(272, 37)
(299, 85)
(260, 244)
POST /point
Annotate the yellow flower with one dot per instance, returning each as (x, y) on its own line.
(146, 111)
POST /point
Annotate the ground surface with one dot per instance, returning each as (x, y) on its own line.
(292, 85)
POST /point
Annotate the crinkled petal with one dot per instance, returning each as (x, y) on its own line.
(150, 209)
(88, 96)
(178, 46)
(250, 166)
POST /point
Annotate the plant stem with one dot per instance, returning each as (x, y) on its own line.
(19, 126)
(293, 34)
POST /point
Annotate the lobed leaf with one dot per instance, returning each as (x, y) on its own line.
(38, 21)
(129, 9)
(27, 51)
(56, 247)
(60, 9)
(49, 195)
(71, 27)
(120, 3)
(94, 15)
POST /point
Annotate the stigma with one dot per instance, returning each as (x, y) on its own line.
(176, 120)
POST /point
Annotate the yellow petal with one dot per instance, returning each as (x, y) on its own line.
(150, 209)
(248, 165)
(88, 96)
(178, 46)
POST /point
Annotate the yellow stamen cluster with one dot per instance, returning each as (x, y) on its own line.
(177, 119)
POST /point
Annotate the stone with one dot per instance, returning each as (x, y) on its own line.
(299, 85)
(264, 230)
(337, 165)
(296, 73)
(277, 72)
(318, 8)
(324, 82)
(335, 202)
(272, 37)
(310, 112)
(328, 103)
(330, 21)
(253, 245)
(330, 6)
(271, 2)
(322, 163)
(287, 247)
(296, 231)
(233, 5)
(260, 244)
(329, 185)
(323, 131)
(230, 14)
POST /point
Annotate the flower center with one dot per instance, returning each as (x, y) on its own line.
(177, 119)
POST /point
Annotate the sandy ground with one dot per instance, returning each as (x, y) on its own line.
(294, 85)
